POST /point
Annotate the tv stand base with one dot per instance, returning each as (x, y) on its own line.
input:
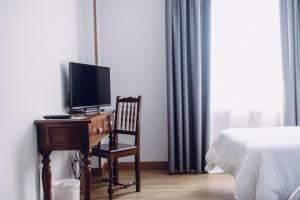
(88, 110)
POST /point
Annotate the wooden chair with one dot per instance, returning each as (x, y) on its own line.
(127, 121)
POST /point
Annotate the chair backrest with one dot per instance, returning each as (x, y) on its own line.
(127, 117)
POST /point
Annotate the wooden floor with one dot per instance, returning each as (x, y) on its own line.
(160, 185)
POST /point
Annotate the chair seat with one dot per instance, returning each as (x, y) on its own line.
(105, 148)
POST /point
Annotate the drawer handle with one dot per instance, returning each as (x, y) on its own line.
(98, 130)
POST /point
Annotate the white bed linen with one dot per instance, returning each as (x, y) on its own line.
(264, 161)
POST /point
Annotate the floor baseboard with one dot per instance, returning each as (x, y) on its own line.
(149, 165)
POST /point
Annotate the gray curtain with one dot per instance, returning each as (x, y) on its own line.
(188, 60)
(290, 36)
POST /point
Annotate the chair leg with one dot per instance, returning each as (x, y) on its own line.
(116, 171)
(100, 167)
(110, 172)
(137, 173)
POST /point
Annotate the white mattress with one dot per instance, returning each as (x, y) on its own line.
(264, 161)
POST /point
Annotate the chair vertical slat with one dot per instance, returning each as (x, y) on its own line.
(122, 116)
(130, 113)
(133, 117)
(126, 116)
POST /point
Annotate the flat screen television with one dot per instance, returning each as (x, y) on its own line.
(89, 86)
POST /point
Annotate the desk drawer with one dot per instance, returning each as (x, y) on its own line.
(100, 126)
(63, 138)
(97, 127)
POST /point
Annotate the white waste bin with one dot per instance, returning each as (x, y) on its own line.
(66, 189)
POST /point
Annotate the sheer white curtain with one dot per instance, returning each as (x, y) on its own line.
(246, 64)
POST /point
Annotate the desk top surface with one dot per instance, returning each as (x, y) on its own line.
(78, 117)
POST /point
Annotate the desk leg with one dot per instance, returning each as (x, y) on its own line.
(87, 175)
(46, 177)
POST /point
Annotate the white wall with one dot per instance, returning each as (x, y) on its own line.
(37, 40)
(132, 42)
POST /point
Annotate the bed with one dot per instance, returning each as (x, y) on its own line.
(264, 161)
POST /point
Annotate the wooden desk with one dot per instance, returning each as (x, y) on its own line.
(71, 134)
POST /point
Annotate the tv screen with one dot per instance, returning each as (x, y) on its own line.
(89, 85)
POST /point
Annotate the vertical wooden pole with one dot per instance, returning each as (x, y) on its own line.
(95, 31)
(96, 59)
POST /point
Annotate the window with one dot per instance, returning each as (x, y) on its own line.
(246, 64)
